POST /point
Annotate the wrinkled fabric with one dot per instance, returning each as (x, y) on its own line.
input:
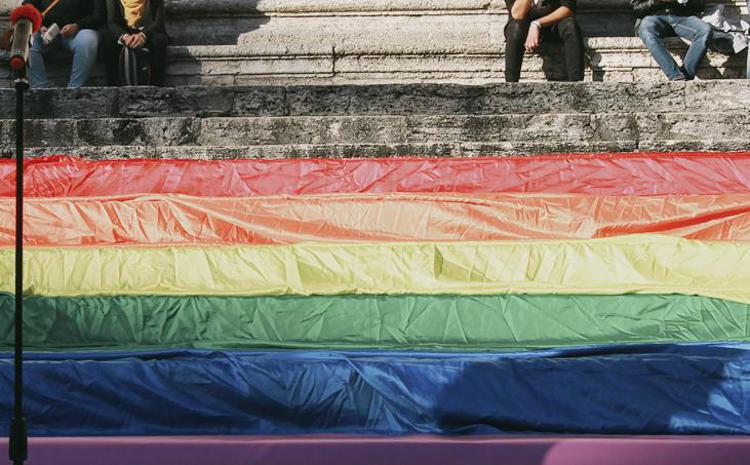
(643, 264)
(605, 174)
(700, 389)
(176, 219)
(730, 24)
(371, 322)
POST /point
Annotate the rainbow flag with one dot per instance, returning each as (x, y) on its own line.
(596, 294)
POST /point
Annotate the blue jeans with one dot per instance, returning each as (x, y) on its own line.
(654, 28)
(84, 46)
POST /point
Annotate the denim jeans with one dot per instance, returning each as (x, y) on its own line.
(84, 46)
(654, 28)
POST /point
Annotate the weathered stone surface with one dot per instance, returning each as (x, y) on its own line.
(389, 99)
(455, 149)
(720, 127)
(60, 103)
(149, 131)
(718, 96)
(574, 130)
(384, 120)
(39, 133)
(618, 59)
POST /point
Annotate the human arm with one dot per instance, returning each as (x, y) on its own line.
(534, 38)
(520, 9)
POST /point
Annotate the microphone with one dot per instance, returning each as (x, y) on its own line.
(26, 20)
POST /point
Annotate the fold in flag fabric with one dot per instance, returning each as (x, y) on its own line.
(418, 322)
(646, 264)
(605, 174)
(173, 220)
(688, 389)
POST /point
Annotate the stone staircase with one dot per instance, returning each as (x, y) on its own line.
(383, 120)
(340, 78)
(258, 42)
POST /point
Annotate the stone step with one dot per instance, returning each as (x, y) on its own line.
(370, 28)
(343, 23)
(379, 100)
(620, 59)
(418, 120)
(338, 41)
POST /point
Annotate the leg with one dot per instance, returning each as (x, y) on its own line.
(652, 31)
(110, 53)
(157, 43)
(84, 46)
(572, 38)
(699, 34)
(515, 39)
(37, 70)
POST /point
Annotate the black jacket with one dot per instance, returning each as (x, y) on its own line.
(643, 8)
(88, 14)
(153, 20)
(547, 7)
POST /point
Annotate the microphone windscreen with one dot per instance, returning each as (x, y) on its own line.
(27, 12)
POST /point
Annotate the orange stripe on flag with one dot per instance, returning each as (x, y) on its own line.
(166, 220)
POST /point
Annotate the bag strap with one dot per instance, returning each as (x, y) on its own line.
(51, 5)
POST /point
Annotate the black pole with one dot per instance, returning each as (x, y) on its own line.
(18, 444)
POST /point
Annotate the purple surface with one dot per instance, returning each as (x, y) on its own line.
(414, 450)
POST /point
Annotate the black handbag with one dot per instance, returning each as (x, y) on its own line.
(135, 67)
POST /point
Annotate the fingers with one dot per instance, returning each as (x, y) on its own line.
(139, 41)
(533, 40)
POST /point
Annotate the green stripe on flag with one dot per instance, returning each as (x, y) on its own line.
(372, 321)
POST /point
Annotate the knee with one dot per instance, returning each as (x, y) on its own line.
(569, 28)
(87, 42)
(704, 32)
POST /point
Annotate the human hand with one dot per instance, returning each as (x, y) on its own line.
(138, 41)
(69, 30)
(534, 38)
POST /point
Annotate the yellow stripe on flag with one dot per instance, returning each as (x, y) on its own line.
(645, 264)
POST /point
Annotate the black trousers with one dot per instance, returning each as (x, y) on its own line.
(566, 30)
(156, 43)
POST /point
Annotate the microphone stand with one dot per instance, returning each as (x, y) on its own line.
(18, 441)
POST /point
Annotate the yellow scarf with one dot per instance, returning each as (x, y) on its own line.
(134, 11)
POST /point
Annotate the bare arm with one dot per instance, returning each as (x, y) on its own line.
(521, 9)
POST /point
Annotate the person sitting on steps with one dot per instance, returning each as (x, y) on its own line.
(661, 18)
(532, 22)
(73, 26)
(135, 24)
